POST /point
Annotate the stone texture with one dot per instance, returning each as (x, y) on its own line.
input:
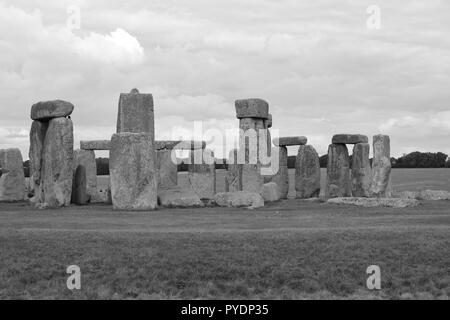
(135, 113)
(79, 192)
(177, 197)
(361, 170)
(237, 199)
(202, 176)
(167, 170)
(233, 178)
(133, 171)
(102, 195)
(271, 192)
(95, 144)
(46, 110)
(252, 180)
(280, 175)
(37, 137)
(252, 108)
(268, 122)
(57, 167)
(12, 178)
(375, 202)
(290, 141)
(433, 195)
(338, 172)
(187, 145)
(307, 173)
(349, 139)
(86, 158)
(166, 144)
(381, 167)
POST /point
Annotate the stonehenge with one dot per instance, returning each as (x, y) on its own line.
(51, 153)
(144, 172)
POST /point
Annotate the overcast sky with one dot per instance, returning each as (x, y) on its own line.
(322, 70)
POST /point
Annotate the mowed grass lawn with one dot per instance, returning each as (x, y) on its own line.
(286, 250)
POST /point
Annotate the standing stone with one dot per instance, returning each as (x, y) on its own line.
(86, 158)
(338, 172)
(46, 110)
(281, 176)
(233, 178)
(166, 168)
(132, 171)
(37, 137)
(381, 186)
(307, 173)
(135, 113)
(12, 178)
(79, 194)
(361, 170)
(57, 167)
(252, 180)
(202, 174)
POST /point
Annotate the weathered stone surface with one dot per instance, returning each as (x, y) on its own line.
(407, 194)
(338, 172)
(167, 169)
(252, 180)
(375, 202)
(252, 108)
(250, 200)
(57, 168)
(202, 176)
(381, 167)
(79, 192)
(280, 174)
(95, 144)
(46, 110)
(433, 195)
(177, 197)
(361, 170)
(12, 178)
(186, 145)
(37, 137)
(86, 158)
(307, 173)
(268, 122)
(166, 144)
(271, 192)
(290, 141)
(133, 171)
(233, 178)
(135, 113)
(349, 139)
(102, 195)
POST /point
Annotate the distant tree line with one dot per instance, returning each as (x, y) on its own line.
(411, 160)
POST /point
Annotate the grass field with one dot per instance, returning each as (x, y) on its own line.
(287, 250)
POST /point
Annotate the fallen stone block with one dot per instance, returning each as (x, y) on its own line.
(252, 108)
(271, 192)
(46, 110)
(433, 195)
(177, 197)
(237, 199)
(349, 138)
(290, 141)
(95, 144)
(375, 202)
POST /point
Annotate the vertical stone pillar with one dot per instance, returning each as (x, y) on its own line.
(86, 158)
(167, 169)
(12, 178)
(251, 114)
(281, 177)
(133, 172)
(307, 173)
(338, 172)
(233, 178)
(381, 167)
(361, 170)
(37, 137)
(135, 112)
(202, 173)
